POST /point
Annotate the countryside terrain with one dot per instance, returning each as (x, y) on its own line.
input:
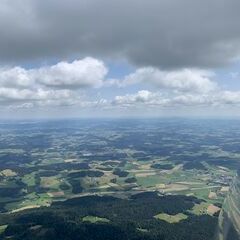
(115, 179)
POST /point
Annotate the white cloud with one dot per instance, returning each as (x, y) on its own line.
(54, 85)
(15, 77)
(142, 97)
(229, 97)
(187, 80)
(62, 85)
(13, 94)
(88, 72)
(146, 99)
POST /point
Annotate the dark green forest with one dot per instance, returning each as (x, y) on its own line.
(131, 219)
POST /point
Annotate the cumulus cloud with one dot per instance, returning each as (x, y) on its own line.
(80, 73)
(13, 94)
(145, 98)
(15, 77)
(91, 72)
(190, 80)
(229, 97)
(161, 33)
(140, 98)
(62, 84)
(57, 85)
(38, 99)
(88, 72)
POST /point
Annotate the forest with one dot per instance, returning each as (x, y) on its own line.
(131, 219)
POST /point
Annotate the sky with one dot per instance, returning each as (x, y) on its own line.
(128, 58)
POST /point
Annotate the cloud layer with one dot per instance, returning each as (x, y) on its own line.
(188, 80)
(69, 83)
(160, 33)
(145, 99)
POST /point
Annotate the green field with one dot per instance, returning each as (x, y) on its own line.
(171, 218)
(94, 219)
